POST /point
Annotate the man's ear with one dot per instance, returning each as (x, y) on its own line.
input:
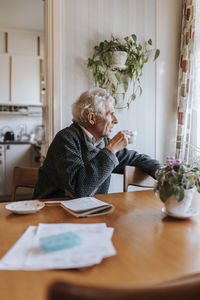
(91, 118)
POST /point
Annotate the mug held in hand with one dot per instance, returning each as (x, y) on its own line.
(131, 135)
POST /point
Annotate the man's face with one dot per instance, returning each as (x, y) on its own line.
(105, 123)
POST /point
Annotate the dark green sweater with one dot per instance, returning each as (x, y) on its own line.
(75, 165)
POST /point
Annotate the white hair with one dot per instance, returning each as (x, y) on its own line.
(94, 100)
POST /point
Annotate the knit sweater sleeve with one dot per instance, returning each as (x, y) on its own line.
(133, 158)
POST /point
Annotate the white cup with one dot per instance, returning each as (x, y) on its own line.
(131, 135)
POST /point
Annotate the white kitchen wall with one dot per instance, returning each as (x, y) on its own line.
(87, 22)
(24, 21)
(22, 14)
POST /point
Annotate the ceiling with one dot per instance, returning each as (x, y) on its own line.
(22, 14)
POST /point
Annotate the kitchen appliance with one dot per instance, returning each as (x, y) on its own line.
(9, 136)
(39, 134)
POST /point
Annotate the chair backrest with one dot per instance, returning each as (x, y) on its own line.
(183, 290)
(135, 176)
(23, 177)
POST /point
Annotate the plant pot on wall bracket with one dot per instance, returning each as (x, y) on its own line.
(120, 62)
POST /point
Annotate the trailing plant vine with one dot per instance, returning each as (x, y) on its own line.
(124, 83)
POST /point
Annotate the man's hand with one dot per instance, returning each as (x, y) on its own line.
(119, 141)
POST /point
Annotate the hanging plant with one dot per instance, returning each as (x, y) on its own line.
(117, 66)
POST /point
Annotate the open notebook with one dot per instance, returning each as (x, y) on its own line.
(85, 206)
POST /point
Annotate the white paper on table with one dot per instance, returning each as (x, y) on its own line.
(26, 254)
(15, 258)
(43, 228)
(96, 244)
(94, 228)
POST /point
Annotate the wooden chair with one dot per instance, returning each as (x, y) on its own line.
(135, 176)
(185, 289)
(23, 177)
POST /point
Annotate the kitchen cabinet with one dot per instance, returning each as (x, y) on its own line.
(12, 155)
(25, 79)
(4, 78)
(2, 42)
(15, 155)
(20, 81)
(21, 54)
(23, 42)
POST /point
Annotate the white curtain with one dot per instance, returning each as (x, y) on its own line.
(188, 109)
(195, 134)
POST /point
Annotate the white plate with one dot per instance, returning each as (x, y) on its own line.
(25, 207)
(190, 213)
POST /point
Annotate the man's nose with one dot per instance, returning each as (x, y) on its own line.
(115, 121)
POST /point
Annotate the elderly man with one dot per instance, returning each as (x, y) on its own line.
(81, 157)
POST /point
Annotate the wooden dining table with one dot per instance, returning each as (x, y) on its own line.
(151, 246)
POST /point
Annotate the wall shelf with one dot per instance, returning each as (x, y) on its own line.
(31, 110)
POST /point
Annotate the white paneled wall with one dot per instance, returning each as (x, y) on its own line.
(169, 15)
(87, 22)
